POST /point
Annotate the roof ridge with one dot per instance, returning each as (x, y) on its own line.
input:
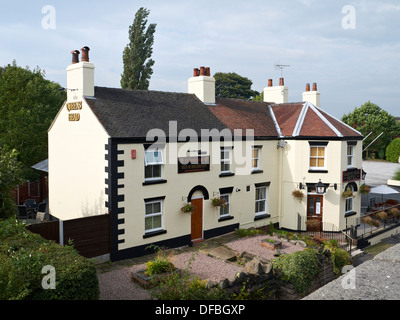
(300, 120)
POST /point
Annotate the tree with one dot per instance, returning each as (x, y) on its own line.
(10, 176)
(232, 85)
(28, 105)
(371, 118)
(137, 54)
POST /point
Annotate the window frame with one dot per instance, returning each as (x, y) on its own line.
(257, 158)
(152, 165)
(351, 156)
(318, 157)
(258, 213)
(228, 202)
(160, 213)
(349, 202)
(226, 161)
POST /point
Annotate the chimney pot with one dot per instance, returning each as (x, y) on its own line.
(196, 72)
(270, 84)
(75, 56)
(85, 54)
(208, 72)
(307, 87)
(202, 71)
(281, 82)
(314, 87)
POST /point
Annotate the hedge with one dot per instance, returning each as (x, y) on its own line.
(393, 150)
(22, 258)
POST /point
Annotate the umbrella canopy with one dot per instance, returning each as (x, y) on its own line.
(383, 189)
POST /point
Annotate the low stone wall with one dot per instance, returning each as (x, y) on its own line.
(259, 275)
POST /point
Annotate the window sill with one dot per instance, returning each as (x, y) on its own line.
(317, 171)
(262, 216)
(154, 233)
(349, 214)
(225, 218)
(255, 171)
(226, 174)
(151, 182)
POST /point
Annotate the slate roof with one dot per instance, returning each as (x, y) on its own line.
(133, 113)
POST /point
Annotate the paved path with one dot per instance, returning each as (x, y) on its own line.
(373, 278)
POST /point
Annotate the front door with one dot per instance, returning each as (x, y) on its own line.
(314, 212)
(197, 219)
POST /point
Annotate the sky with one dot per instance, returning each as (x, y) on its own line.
(351, 49)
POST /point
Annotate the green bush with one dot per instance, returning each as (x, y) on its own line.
(393, 150)
(22, 258)
(298, 268)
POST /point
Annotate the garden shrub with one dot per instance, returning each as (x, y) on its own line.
(24, 254)
(393, 150)
(298, 268)
(339, 256)
(249, 232)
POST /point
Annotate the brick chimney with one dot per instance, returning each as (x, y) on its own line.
(202, 85)
(312, 96)
(80, 76)
(277, 94)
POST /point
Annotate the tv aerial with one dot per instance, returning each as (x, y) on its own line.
(280, 67)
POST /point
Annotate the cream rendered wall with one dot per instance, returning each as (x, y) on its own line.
(77, 164)
(296, 170)
(177, 189)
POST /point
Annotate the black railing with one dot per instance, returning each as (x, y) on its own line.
(327, 231)
(380, 218)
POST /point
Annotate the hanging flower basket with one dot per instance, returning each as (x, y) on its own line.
(298, 194)
(218, 202)
(364, 189)
(347, 193)
(187, 208)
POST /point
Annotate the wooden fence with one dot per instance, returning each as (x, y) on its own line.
(36, 190)
(90, 236)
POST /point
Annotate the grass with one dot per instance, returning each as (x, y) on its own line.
(377, 248)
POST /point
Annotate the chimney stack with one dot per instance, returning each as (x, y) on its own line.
(277, 94)
(85, 54)
(312, 96)
(75, 56)
(202, 85)
(80, 76)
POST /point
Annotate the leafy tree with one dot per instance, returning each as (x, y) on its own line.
(10, 176)
(137, 54)
(28, 105)
(232, 85)
(371, 118)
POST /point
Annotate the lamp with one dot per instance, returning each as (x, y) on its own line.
(363, 174)
(320, 187)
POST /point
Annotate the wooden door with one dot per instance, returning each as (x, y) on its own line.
(197, 219)
(314, 212)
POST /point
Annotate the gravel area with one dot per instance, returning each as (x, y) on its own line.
(253, 245)
(206, 267)
(117, 284)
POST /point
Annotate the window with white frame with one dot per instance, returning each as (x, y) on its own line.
(317, 157)
(224, 210)
(349, 200)
(255, 159)
(350, 156)
(153, 215)
(261, 200)
(154, 161)
(226, 160)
